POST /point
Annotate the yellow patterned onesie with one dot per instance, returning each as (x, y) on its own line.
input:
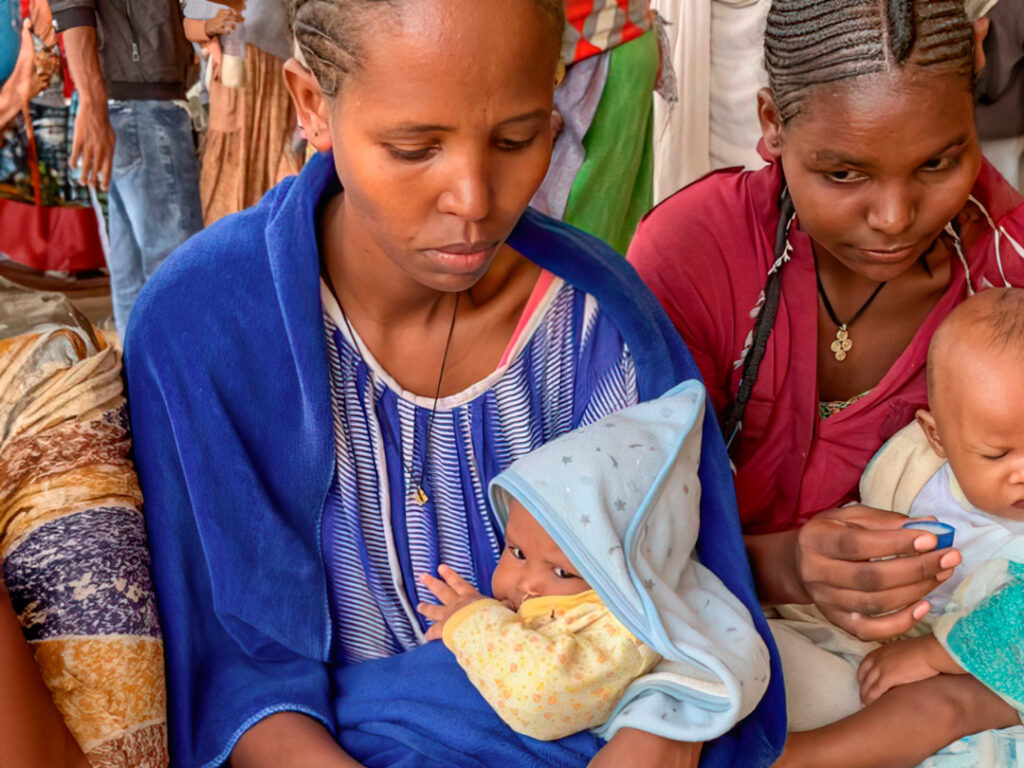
(558, 666)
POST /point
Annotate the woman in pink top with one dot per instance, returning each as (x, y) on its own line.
(890, 218)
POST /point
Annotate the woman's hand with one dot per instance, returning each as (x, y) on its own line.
(645, 750)
(225, 21)
(454, 593)
(839, 563)
(902, 662)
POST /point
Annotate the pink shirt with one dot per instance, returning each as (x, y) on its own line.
(706, 251)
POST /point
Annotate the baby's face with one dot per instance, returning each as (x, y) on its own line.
(531, 564)
(979, 416)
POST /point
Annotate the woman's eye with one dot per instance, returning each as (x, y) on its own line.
(412, 155)
(517, 553)
(563, 574)
(512, 145)
(844, 177)
(940, 164)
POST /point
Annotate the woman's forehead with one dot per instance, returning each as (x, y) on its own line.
(471, 32)
(909, 112)
(436, 66)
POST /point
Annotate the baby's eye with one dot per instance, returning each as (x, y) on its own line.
(564, 574)
(517, 553)
(996, 457)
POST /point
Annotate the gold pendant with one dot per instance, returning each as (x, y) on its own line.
(421, 496)
(842, 344)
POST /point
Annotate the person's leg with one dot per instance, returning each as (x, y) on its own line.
(902, 728)
(169, 210)
(821, 686)
(155, 196)
(124, 258)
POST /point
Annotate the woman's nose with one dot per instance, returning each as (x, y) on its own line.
(892, 209)
(467, 193)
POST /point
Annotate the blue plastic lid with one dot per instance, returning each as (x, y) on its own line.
(943, 531)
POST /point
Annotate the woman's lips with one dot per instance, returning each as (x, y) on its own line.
(889, 255)
(461, 257)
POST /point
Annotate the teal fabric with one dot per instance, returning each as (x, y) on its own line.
(621, 498)
(987, 639)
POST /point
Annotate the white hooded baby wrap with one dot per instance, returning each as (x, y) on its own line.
(621, 498)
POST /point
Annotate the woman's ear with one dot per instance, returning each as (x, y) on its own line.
(926, 421)
(771, 123)
(980, 33)
(311, 105)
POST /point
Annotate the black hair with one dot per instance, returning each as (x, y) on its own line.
(815, 42)
(329, 33)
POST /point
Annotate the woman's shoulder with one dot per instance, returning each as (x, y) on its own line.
(724, 216)
(996, 212)
(223, 272)
(709, 242)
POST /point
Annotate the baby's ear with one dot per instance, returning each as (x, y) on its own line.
(926, 421)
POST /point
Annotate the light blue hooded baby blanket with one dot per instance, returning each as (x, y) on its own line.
(621, 498)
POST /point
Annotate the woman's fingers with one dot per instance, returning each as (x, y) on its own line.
(875, 603)
(931, 568)
(850, 540)
(857, 563)
(876, 627)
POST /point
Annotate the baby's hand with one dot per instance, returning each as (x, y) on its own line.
(901, 662)
(454, 593)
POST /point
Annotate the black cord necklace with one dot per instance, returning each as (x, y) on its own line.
(417, 482)
(843, 343)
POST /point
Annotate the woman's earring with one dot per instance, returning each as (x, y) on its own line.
(559, 73)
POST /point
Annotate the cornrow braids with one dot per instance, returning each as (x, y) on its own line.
(329, 34)
(816, 42)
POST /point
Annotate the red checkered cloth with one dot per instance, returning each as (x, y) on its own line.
(595, 26)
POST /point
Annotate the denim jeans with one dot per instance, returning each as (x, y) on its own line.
(154, 194)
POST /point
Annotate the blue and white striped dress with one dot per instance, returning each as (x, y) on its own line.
(569, 366)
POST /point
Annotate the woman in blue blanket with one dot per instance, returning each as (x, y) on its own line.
(323, 386)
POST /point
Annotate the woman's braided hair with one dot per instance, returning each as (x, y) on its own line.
(814, 42)
(330, 33)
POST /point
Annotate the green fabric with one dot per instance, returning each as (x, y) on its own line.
(615, 186)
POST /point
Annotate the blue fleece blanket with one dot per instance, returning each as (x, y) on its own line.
(228, 385)
(419, 710)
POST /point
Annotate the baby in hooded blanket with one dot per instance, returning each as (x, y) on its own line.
(598, 585)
